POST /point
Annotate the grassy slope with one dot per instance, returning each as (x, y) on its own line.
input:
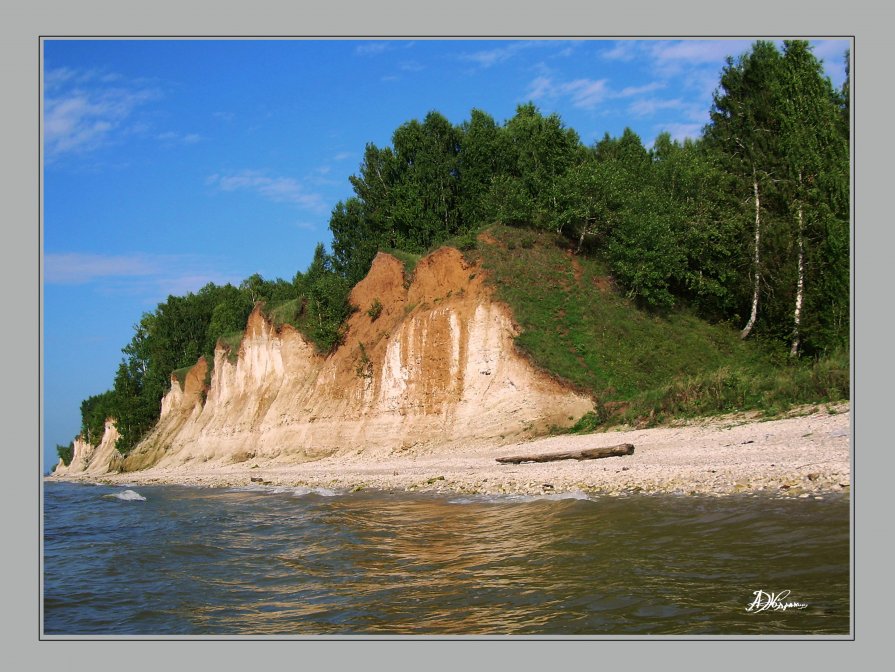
(640, 366)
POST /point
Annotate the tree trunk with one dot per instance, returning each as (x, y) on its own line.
(757, 280)
(589, 454)
(800, 285)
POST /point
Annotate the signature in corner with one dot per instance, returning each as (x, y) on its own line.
(773, 601)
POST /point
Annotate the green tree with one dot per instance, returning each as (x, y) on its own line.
(95, 411)
(479, 162)
(355, 244)
(744, 129)
(644, 251)
(705, 219)
(816, 170)
(66, 453)
(539, 150)
(229, 315)
(592, 200)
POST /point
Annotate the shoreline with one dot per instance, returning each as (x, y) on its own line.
(806, 454)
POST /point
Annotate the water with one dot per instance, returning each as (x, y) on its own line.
(282, 561)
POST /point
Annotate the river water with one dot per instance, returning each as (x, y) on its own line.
(170, 560)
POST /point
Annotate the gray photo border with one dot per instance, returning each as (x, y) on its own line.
(23, 24)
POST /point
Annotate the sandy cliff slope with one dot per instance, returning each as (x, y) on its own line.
(436, 368)
(89, 459)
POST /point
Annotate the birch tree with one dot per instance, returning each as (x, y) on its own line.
(744, 127)
(815, 161)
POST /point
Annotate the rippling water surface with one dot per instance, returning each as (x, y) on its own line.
(192, 561)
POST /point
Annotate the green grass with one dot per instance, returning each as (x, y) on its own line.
(409, 260)
(231, 342)
(640, 366)
(180, 375)
(285, 312)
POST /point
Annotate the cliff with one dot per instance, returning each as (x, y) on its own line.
(89, 459)
(436, 367)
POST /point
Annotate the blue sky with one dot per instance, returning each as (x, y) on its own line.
(171, 164)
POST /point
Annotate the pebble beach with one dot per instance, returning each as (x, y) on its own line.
(804, 455)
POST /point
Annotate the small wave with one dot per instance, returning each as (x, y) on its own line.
(249, 488)
(521, 499)
(322, 492)
(128, 496)
(282, 490)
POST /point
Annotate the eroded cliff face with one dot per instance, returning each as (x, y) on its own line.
(89, 459)
(436, 367)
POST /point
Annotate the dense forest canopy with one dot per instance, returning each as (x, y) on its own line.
(748, 224)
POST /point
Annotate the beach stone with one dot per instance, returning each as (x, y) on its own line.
(813, 476)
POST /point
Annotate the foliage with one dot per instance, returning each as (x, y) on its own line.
(364, 368)
(230, 343)
(66, 453)
(375, 310)
(94, 412)
(409, 260)
(180, 375)
(642, 367)
(777, 130)
(674, 227)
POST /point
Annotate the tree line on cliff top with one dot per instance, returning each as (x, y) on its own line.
(747, 224)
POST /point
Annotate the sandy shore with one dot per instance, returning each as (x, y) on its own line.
(806, 455)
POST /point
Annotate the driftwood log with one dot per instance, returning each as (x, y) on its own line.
(589, 454)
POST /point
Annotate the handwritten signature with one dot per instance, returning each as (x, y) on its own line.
(773, 601)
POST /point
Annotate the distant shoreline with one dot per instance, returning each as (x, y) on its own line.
(806, 455)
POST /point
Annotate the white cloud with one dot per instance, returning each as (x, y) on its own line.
(147, 275)
(647, 106)
(341, 156)
(584, 93)
(411, 66)
(276, 189)
(371, 48)
(58, 77)
(831, 51)
(629, 91)
(541, 87)
(678, 54)
(172, 137)
(76, 268)
(622, 51)
(490, 57)
(82, 113)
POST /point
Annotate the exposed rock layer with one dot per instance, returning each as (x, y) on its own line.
(435, 367)
(89, 459)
